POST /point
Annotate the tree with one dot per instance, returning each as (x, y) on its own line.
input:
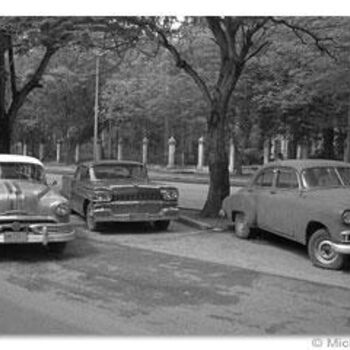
(238, 40)
(20, 36)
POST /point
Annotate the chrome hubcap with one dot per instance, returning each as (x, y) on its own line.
(325, 252)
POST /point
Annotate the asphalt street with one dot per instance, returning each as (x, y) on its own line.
(132, 280)
(106, 285)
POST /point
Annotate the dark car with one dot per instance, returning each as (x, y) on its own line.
(119, 191)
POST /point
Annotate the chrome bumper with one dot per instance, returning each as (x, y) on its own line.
(106, 215)
(39, 233)
(342, 248)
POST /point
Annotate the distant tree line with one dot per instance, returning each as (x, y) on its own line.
(246, 78)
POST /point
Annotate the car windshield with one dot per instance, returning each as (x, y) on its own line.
(119, 171)
(22, 171)
(321, 177)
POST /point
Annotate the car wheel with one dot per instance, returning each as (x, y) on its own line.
(89, 218)
(162, 225)
(57, 247)
(242, 229)
(321, 253)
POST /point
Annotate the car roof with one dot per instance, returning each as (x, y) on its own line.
(17, 158)
(301, 164)
(111, 162)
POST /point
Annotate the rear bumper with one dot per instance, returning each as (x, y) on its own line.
(39, 233)
(107, 215)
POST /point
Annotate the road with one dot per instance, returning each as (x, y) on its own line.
(131, 280)
(122, 282)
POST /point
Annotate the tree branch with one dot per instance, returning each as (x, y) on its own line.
(12, 68)
(33, 82)
(297, 29)
(179, 61)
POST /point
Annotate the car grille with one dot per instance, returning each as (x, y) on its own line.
(137, 209)
(19, 225)
(137, 195)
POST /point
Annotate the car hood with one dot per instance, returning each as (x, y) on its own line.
(26, 197)
(338, 198)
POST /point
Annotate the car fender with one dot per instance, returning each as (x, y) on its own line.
(242, 201)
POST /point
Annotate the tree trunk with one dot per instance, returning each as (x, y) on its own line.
(328, 147)
(347, 142)
(5, 130)
(219, 186)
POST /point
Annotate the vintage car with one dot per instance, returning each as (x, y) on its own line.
(30, 210)
(119, 191)
(307, 201)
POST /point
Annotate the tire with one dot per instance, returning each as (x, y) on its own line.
(89, 218)
(161, 225)
(57, 248)
(320, 252)
(242, 229)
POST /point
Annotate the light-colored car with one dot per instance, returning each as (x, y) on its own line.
(30, 210)
(119, 191)
(307, 201)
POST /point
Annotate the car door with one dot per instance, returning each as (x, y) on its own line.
(262, 187)
(73, 189)
(278, 209)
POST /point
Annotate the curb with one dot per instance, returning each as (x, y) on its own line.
(186, 220)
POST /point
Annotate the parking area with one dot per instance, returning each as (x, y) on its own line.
(266, 254)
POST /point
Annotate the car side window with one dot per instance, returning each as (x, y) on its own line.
(265, 179)
(287, 179)
(84, 173)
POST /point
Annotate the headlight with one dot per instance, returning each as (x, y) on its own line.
(346, 217)
(102, 196)
(62, 209)
(169, 194)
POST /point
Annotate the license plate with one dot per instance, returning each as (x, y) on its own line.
(15, 237)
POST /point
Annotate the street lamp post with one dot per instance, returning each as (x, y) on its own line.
(95, 150)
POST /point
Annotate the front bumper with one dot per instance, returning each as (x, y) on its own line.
(39, 233)
(133, 213)
(342, 248)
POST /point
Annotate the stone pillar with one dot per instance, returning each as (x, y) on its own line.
(231, 163)
(200, 162)
(19, 148)
(24, 149)
(284, 147)
(41, 151)
(302, 151)
(266, 151)
(171, 153)
(298, 151)
(144, 150)
(58, 151)
(77, 153)
(120, 150)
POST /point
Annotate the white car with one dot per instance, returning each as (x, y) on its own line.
(30, 210)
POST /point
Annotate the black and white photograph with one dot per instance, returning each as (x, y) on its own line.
(173, 174)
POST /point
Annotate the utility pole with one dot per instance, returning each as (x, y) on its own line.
(95, 147)
(347, 140)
